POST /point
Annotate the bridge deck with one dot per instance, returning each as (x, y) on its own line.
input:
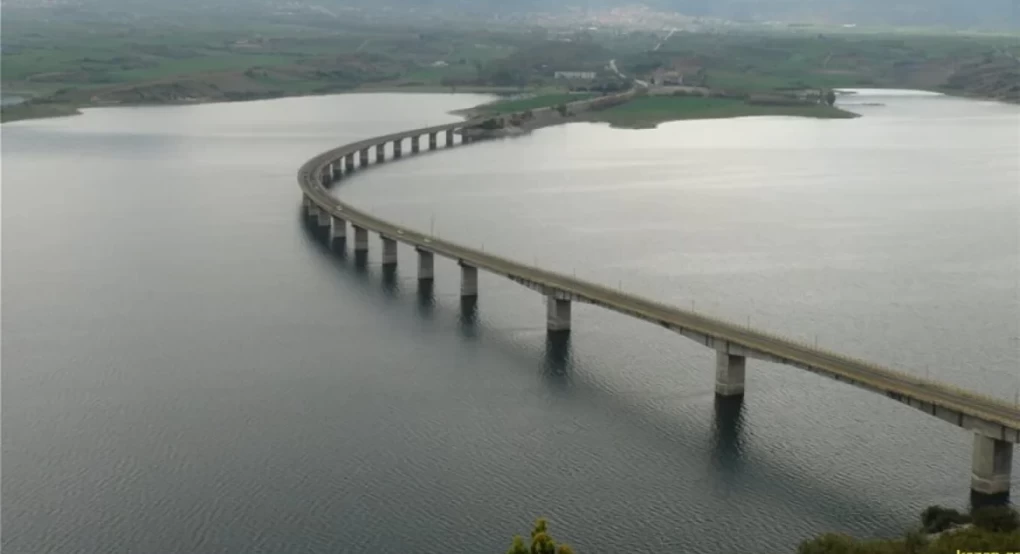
(892, 382)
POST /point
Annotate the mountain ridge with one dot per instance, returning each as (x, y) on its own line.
(955, 14)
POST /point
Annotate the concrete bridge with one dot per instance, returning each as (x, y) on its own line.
(994, 423)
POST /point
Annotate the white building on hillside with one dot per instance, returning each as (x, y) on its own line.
(586, 75)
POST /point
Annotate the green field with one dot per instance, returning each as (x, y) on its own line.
(977, 65)
(649, 111)
(532, 103)
(68, 60)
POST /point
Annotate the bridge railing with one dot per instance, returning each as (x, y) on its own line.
(630, 302)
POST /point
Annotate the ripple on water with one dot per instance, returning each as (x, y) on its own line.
(211, 381)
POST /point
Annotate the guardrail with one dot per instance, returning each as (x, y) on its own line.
(850, 368)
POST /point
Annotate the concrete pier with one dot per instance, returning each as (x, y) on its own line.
(991, 466)
(323, 218)
(349, 163)
(426, 265)
(468, 280)
(557, 314)
(994, 422)
(729, 374)
(389, 251)
(337, 231)
(360, 239)
(363, 158)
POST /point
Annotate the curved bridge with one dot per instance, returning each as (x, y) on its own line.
(995, 423)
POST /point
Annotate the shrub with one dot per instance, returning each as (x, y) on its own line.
(999, 519)
(935, 519)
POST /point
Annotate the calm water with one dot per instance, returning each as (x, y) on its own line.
(187, 369)
(6, 99)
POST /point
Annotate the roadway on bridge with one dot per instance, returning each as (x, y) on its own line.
(880, 378)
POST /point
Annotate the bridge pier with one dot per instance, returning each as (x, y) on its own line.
(991, 466)
(360, 239)
(468, 280)
(338, 231)
(349, 163)
(380, 153)
(396, 148)
(363, 158)
(449, 138)
(426, 264)
(729, 374)
(432, 141)
(415, 144)
(557, 314)
(389, 250)
(311, 209)
(323, 218)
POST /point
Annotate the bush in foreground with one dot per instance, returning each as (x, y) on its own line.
(993, 529)
(988, 529)
(541, 542)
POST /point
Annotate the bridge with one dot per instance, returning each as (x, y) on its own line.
(995, 424)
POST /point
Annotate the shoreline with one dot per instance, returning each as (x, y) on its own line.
(15, 113)
(36, 111)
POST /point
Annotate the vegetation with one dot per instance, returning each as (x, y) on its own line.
(648, 111)
(541, 542)
(531, 103)
(69, 59)
(990, 529)
(82, 63)
(492, 124)
(943, 531)
(531, 64)
(36, 110)
(987, 66)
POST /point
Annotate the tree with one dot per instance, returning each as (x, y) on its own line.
(518, 546)
(541, 542)
(935, 519)
(830, 97)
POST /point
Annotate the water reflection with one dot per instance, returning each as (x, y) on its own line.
(727, 451)
(556, 369)
(361, 261)
(469, 316)
(557, 352)
(390, 282)
(426, 298)
(733, 470)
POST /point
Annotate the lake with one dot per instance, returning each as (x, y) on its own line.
(188, 369)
